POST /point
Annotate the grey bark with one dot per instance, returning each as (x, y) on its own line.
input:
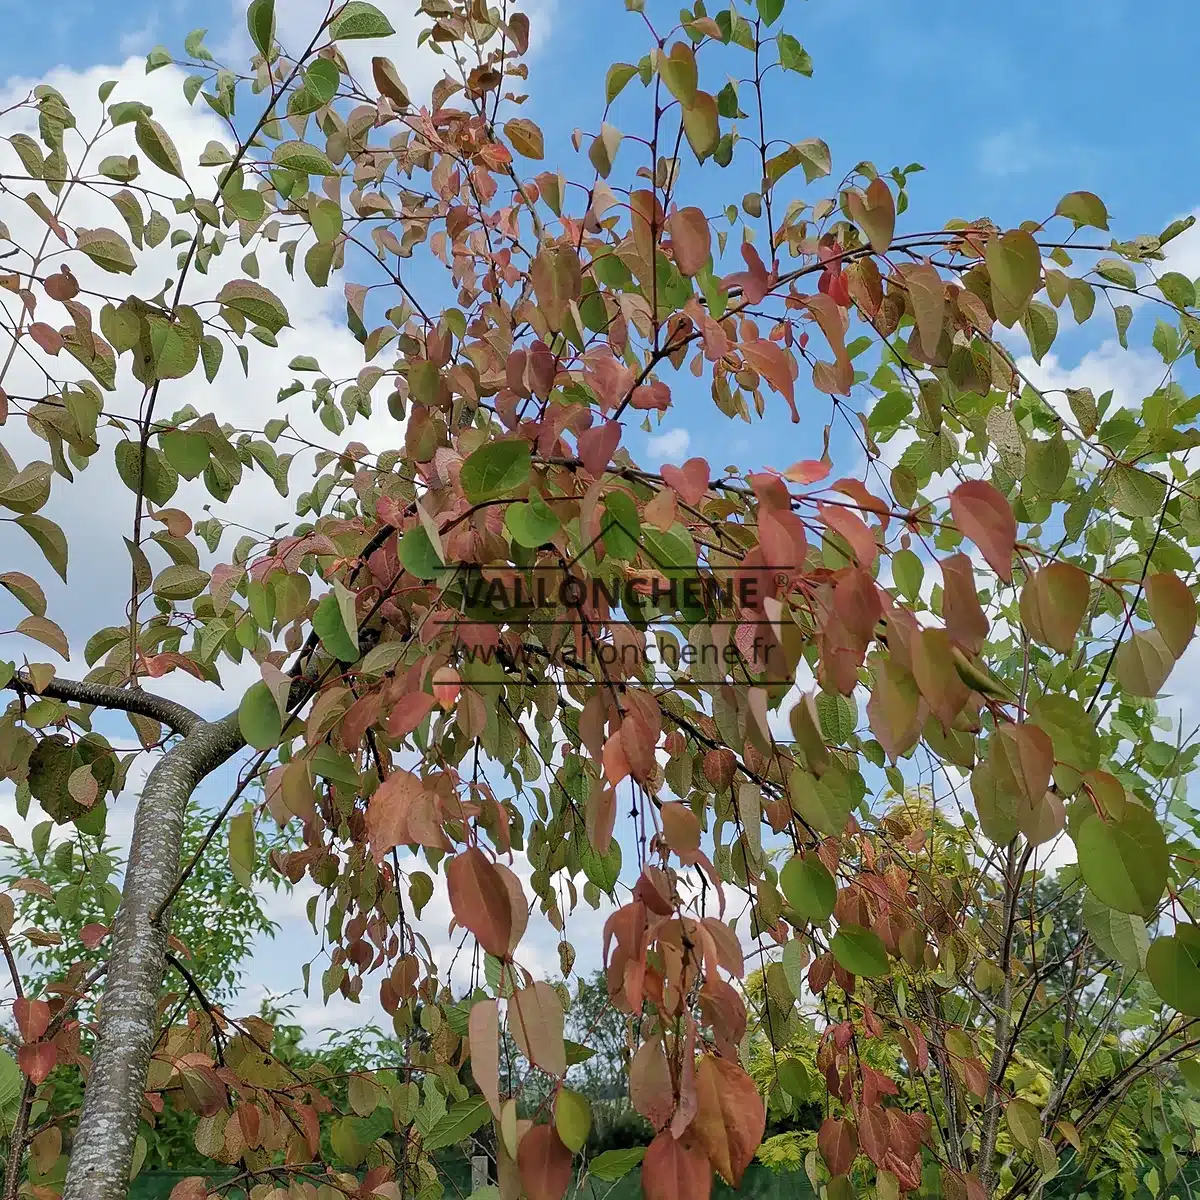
(103, 1150)
(175, 716)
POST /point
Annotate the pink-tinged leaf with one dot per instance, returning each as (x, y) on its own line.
(611, 380)
(875, 211)
(194, 1188)
(675, 1169)
(838, 378)
(484, 1035)
(808, 470)
(690, 480)
(776, 366)
(964, 616)
(47, 337)
(544, 1164)
(403, 812)
(535, 1020)
(480, 901)
(936, 675)
(838, 1142)
(854, 529)
(731, 1119)
(409, 712)
(518, 905)
(596, 446)
(654, 396)
(37, 1060)
(32, 1018)
(650, 1088)
(616, 765)
(1172, 609)
(755, 282)
(927, 294)
(446, 686)
(681, 828)
(983, 514)
(690, 240)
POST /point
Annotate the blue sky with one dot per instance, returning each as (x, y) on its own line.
(1007, 106)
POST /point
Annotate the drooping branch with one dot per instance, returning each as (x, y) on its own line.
(103, 1149)
(177, 717)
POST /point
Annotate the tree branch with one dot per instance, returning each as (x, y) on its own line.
(177, 717)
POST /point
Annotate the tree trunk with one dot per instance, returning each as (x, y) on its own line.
(103, 1150)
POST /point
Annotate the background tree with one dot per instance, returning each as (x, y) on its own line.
(1007, 600)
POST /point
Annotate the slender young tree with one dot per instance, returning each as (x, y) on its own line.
(486, 630)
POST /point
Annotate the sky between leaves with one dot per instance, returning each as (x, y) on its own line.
(1007, 109)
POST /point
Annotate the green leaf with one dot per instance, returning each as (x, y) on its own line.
(823, 803)
(50, 540)
(769, 10)
(531, 523)
(860, 951)
(1178, 289)
(321, 82)
(794, 1078)
(908, 573)
(621, 528)
(572, 1119)
(1040, 323)
(259, 718)
(793, 56)
(302, 158)
(1015, 266)
(159, 477)
(180, 582)
(255, 302)
(326, 218)
(212, 351)
(157, 146)
(809, 888)
(188, 453)
(241, 847)
(1173, 965)
(462, 1120)
(107, 249)
(601, 869)
(1024, 1123)
(260, 20)
(1137, 493)
(495, 469)
(1116, 271)
(359, 20)
(330, 626)
(1084, 208)
(1142, 663)
(1124, 862)
(418, 555)
(619, 74)
(615, 1164)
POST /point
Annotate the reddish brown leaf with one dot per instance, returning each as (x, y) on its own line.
(535, 1020)
(808, 470)
(776, 366)
(480, 900)
(964, 617)
(838, 1142)
(37, 1060)
(403, 812)
(596, 446)
(731, 1119)
(409, 712)
(983, 514)
(92, 935)
(194, 1188)
(690, 239)
(32, 1018)
(544, 1163)
(675, 1170)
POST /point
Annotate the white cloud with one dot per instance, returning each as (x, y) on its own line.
(1010, 152)
(670, 446)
